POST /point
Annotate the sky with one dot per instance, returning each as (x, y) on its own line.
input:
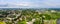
(30, 3)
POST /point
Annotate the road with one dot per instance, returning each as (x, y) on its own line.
(58, 21)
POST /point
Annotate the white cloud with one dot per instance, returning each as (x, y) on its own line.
(50, 3)
(27, 4)
(41, 4)
(23, 4)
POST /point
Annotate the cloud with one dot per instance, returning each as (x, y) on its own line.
(27, 4)
(50, 3)
(32, 3)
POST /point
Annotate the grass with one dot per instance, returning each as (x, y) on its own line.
(50, 22)
(2, 22)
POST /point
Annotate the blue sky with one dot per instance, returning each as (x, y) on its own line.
(31, 3)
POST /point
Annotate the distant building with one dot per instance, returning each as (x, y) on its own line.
(53, 11)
